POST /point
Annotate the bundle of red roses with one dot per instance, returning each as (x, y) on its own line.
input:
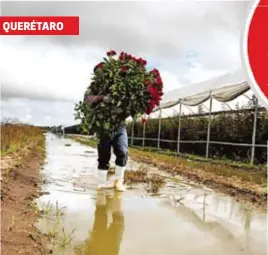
(155, 88)
(130, 87)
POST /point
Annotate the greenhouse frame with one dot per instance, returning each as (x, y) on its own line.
(220, 90)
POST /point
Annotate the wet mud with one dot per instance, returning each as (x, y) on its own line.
(182, 217)
(19, 188)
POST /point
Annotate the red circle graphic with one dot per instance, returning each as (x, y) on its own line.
(258, 46)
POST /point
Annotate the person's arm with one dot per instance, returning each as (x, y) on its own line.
(93, 100)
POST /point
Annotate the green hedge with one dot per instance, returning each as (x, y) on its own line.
(235, 127)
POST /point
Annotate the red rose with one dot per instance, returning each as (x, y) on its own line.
(159, 80)
(155, 73)
(124, 68)
(100, 65)
(159, 86)
(142, 61)
(122, 56)
(152, 103)
(153, 91)
(144, 121)
(157, 101)
(111, 53)
(150, 89)
(146, 82)
(150, 108)
(139, 61)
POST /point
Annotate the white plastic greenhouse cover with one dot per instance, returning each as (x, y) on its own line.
(223, 89)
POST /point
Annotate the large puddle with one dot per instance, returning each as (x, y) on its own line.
(134, 222)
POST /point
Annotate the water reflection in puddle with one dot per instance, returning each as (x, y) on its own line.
(182, 219)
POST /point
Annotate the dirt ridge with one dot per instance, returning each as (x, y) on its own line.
(19, 187)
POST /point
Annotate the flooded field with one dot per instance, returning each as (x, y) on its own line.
(182, 218)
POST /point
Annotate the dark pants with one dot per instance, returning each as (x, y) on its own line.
(119, 141)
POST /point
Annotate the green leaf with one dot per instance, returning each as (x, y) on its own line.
(107, 125)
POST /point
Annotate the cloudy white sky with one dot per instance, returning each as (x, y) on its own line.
(188, 41)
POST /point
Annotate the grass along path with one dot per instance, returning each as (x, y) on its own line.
(243, 183)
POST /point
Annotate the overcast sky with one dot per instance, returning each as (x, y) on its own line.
(42, 77)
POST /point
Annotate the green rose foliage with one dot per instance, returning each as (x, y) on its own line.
(125, 80)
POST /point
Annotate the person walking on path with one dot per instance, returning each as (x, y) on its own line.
(117, 140)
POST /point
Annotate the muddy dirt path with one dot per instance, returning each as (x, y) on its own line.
(182, 218)
(19, 188)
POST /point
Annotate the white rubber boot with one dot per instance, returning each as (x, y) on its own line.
(110, 182)
(102, 177)
(119, 178)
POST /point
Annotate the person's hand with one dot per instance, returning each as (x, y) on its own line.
(94, 99)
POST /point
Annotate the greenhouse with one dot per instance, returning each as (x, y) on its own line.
(228, 95)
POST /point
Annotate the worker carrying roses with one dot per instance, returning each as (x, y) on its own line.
(118, 140)
(120, 88)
